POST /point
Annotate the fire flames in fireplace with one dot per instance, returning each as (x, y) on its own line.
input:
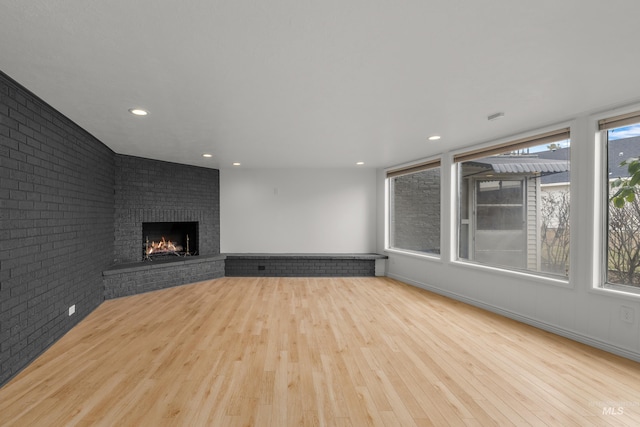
(163, 247)
(169, 239)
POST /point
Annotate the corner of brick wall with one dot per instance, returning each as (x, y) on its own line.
(56, 224)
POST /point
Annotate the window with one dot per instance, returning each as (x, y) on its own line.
(622, 260)
(414, 208)
(513, 204)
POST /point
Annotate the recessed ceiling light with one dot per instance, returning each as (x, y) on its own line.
(360, 163)
(495, 116)
(236, 163)
(138, 111)
(434, 137)
(207, 155)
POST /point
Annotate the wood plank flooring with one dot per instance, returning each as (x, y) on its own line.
(317, 352)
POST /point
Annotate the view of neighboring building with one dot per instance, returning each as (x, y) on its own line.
(504, 219)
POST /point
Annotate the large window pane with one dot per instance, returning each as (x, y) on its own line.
(414, 211)
(623, 220)
(513, 208)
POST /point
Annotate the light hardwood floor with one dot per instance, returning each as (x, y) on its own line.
(315, 351)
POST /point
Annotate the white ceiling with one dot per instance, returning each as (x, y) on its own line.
(319, 83)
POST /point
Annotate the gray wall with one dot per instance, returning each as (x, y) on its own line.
(154, 191)
(56, 224)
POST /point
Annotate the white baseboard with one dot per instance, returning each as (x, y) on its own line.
(575, 336)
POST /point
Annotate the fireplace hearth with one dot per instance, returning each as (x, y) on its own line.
(169, 239)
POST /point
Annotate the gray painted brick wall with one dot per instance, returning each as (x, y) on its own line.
(56, 224)
(152, 276)
(303, 267)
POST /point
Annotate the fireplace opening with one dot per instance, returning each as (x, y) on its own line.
(168, 239)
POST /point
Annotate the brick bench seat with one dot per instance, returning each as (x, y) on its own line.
(301, 264)
(134, 278)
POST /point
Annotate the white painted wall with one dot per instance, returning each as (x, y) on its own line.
(298, 210)
(576, 307)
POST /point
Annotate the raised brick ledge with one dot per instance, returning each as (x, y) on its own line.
(165, 263)
(290, 256)
(130, 279)
(304, 264)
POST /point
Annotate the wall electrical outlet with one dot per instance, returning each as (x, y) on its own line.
(72, 309)
(627, 314)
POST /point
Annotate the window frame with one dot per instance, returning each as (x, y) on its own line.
(557, 133)
(604, 124)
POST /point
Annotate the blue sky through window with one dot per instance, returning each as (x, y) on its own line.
(624, 132)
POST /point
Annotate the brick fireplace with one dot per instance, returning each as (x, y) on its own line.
(159, 201)
(151, 191)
